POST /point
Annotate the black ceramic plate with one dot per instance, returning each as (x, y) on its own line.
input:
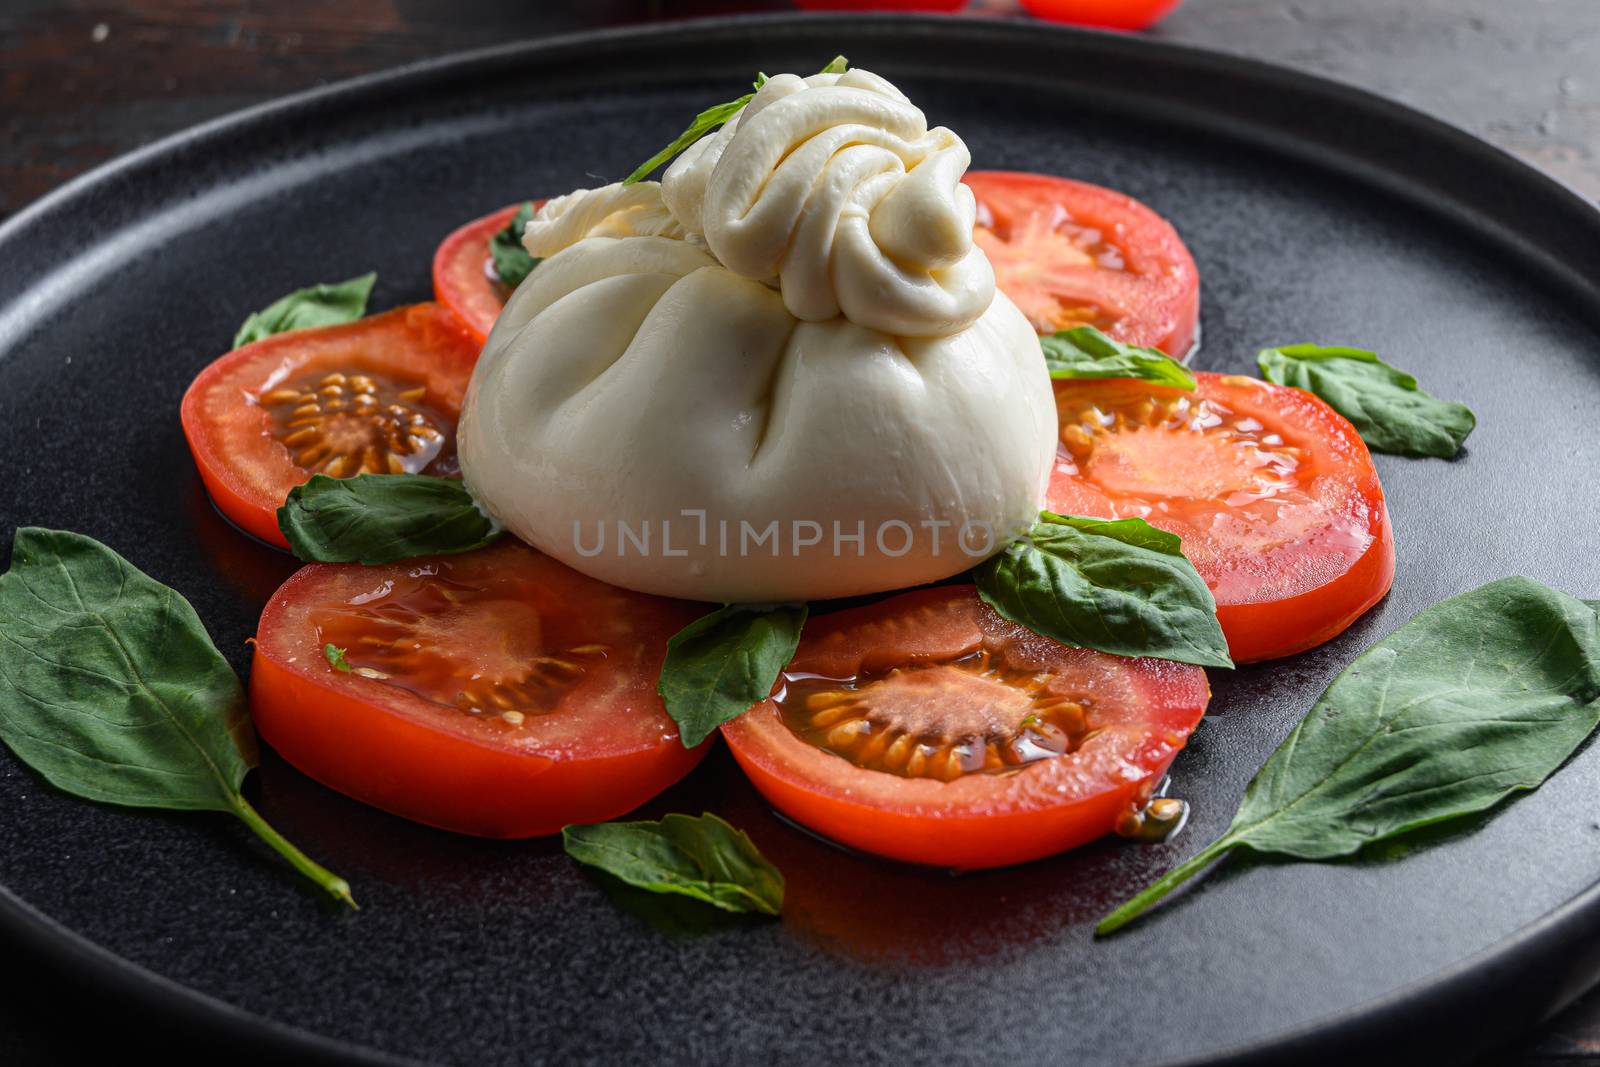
(1315, 212)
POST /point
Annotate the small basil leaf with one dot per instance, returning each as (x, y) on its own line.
(1121, 586)
(703, 858)
(703, 123)
(336, 658)
(111, 688)
(318, 305)
(710, 119)
(1085, 352)
(722, 664)
(1383, 403)
(1476, 698)
(381, 518)
(512, 263)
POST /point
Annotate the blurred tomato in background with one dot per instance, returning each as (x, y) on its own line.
(1107, 14)
(880, 5)
(1110, 14)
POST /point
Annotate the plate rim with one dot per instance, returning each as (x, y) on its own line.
(1522, 955)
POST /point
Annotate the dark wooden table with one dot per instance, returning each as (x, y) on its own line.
(83, 81)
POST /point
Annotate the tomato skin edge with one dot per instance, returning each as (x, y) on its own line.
(1258, 630)
(400, 764)
(237, 509)
(1255, 631)
(476, 789)
(973, 842)
(977, 820)
(466, 302)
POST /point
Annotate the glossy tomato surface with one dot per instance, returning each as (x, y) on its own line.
(1273, 493)
(463, 272)
(380, 395)
(1073, 254)
(496, 693)
(926, 728)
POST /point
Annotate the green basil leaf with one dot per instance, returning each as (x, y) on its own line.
(724, 663)
(335, 657)
(381, 518)
(703, 858)
(1383, 403)
(512, 262)
(1121, 586)
(319, 305)
(111, 688)
(1476, 698)
(1085, 352)
(710, 119)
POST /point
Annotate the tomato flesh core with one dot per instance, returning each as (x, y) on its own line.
(1274, 496)
(926, 728)
(971, 715)
(482, 647)
(342, 424)
(1070, 254)
(1049, 239)
(497, 692)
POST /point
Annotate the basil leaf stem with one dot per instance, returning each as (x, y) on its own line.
(704, 858)
(1383, 403)
(722, 664)
(382, 518)
(111, 689)
(1478, 697)
(317, 305)
(710, 119)
(1120, 586)
(1084, 352)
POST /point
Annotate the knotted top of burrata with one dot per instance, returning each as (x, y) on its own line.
(783, 373)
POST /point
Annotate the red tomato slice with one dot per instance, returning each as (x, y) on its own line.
(1273, 492)
(380, 395)
(497, 693)
(1073, 254)
(463, 272)
(927, 728)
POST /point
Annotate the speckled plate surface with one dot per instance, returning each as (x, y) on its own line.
(1314, 211)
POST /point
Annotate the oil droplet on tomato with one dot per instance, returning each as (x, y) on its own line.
(1156, 822)
(972, 715)
(343, 424)
(1143, 443)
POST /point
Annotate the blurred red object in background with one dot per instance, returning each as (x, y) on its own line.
(1107, 14)
(1110, 14)
(880, 5)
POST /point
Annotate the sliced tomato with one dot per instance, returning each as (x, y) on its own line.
(1273, 493)
(497, 693)
(463, 272)
(1073, 254)
(926, 728)
(381, 395)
